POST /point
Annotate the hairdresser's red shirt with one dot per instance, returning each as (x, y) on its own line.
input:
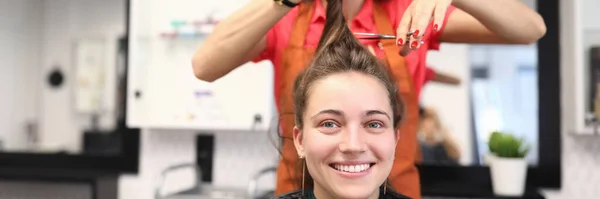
(279, 36)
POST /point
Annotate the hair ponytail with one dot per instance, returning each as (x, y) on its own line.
(340, 51)
(336, 29)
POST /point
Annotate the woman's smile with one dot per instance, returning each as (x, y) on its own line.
(352, 169)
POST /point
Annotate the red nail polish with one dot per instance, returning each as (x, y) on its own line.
(414, 44)
(400, 42)
(435, 27)
(416, 33)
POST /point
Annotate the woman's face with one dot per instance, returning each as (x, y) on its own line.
(348, 139)
(429, 131)
(428, 126)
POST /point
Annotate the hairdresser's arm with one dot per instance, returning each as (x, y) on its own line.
(493, 21)
(237, 39)
(445, 79)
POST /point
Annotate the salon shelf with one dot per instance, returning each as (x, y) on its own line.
(471, 194)
(475, 194)
(446, 183)
(585, 132)
(525, 197)
(591, 128)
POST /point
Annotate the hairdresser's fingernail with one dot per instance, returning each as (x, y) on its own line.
(435, 27)
(414, 45)
(400, 42)
(416, 34)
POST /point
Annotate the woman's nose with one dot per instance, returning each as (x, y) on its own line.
(352, 141)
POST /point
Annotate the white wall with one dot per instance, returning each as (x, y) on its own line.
(37, 37)
(589, 13)
(65, 21)
(19, 65)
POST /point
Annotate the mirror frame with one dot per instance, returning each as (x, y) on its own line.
(56, 165)
(475, 181)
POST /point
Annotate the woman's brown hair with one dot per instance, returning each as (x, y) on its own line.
(339, 52)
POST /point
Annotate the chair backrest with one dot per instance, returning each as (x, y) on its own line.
(163, 174)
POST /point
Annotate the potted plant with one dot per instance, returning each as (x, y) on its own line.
(508, 166)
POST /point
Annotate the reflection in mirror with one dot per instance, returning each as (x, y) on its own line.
(474, 90)
(504, 96)
(61, 76)
(497, 92)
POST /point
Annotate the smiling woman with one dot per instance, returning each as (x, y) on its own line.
(347, 112)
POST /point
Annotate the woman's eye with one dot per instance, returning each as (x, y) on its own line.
(329, 124)
(374, 125)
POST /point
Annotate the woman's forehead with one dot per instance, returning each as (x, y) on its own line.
(350, 92)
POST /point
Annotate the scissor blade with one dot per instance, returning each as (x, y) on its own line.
(361, 35)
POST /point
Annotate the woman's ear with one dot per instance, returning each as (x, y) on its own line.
(298, 142)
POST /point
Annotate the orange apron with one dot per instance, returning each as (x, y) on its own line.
(404, 176)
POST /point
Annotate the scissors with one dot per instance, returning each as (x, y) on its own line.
(376, 36)
(364, 35)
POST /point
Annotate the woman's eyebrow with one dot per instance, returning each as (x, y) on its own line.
(377, 112)
(340, 113)
(329, 111)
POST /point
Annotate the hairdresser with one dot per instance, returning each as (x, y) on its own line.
(286, 32)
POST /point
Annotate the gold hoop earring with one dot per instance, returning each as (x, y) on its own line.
(303, 174)
(385, 187)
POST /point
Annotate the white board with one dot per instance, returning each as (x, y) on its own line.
(170, 95)
(90, 80)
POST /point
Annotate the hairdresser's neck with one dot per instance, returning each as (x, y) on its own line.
(321, 193)
(349, 8)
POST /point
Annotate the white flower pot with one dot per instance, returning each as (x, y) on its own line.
(487, 158)
(508, 175)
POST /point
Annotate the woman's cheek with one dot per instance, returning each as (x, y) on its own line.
(318, 145)
(385, 148)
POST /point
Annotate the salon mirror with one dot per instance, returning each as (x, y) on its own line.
(497, 90)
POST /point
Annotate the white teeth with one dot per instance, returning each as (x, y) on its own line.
(352, 168)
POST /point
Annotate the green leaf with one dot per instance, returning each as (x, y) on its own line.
(494, 141)
(524, 151)
(507, 145)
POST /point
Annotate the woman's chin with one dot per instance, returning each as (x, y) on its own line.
(355, 192)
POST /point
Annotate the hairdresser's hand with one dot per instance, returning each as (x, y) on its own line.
(372, 50)
(415, 20)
